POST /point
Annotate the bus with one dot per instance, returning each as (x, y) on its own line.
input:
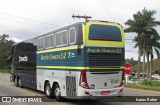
(81, 59)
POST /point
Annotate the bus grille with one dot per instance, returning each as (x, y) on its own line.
(71, 86)
(104, 59)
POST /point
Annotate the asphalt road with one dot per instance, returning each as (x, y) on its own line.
(8, 89)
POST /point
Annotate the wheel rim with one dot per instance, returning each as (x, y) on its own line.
(19, 82)
(16, 81)
(48, 90)
(57, 92)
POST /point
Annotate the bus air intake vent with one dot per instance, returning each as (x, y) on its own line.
(71, 86)
(104, 59)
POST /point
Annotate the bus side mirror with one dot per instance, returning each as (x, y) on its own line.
(9, 62)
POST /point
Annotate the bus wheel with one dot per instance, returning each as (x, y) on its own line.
(16, 82)
(48, 90)
(57, 93)
(20, 83)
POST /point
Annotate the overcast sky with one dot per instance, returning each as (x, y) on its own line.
(59, 12)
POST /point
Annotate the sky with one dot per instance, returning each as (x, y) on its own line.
(24, 19)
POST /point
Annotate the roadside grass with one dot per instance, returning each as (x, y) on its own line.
(151, 83)
(4, 70)
(146, 85)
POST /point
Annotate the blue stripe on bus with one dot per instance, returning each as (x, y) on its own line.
(61, 58)
(73, 57)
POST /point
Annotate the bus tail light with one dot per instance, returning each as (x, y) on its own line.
(83, 80)
(104, 21)
(120, 25)
(87, 21)
(122, 81)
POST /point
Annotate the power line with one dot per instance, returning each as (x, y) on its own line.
(17, 22)
(29, 19)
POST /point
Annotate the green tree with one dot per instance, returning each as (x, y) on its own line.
(5, 49)
(142, 22)
(153, 44)
(139, 45)
(132, 61)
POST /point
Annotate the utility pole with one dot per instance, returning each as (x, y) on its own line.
(79, 16)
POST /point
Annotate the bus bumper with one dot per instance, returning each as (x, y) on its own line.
(104, 92)
(94, 94)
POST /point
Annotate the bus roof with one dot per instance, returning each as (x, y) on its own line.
(65, 26)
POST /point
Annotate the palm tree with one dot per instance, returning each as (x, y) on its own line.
(139, 45)
(134, 26)
(152, 45)
(142, 22)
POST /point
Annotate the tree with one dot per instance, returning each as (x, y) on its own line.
(5, 49)
(139, 44)
(136, 25)
(143, 22)
(153, 44)
(2, 41)
(132, 61)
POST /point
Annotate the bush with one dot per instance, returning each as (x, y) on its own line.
(151, 83)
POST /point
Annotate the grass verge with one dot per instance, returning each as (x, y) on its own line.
(4, 70)
(139, 86)
(151, 83)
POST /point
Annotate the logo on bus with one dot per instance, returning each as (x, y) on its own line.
(71, 54)
(25, 58)
(92, 86)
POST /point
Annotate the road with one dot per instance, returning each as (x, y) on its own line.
(8, 89)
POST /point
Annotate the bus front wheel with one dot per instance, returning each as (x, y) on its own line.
(20, 83)
(16, 82)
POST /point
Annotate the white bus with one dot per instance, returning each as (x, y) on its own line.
(78, 60)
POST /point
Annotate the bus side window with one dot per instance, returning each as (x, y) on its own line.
(58, 39)
(40, 43)
(51, 38)
(47, 42)
(72, 35)
(64, 38)
(61, 38)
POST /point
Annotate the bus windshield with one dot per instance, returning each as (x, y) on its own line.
(104, 32)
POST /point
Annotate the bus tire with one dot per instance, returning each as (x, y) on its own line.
(48, 90)
(16, 82)
(57, 93)
(20, 83)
